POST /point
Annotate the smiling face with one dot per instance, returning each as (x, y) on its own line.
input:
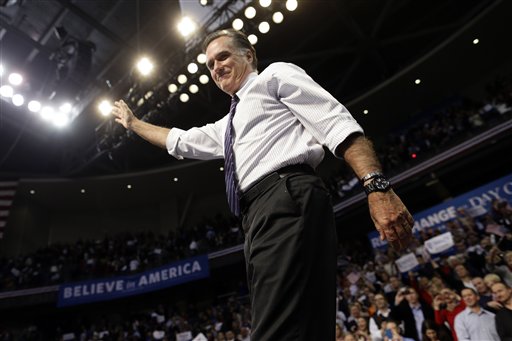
(229, 66)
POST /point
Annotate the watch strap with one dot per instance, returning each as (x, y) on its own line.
(370, 176)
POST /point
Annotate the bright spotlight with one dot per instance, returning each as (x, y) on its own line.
(18, 100)
(238, 24)
(417, 81)
(203, 79)
(172, 88)
(265, 3)
(60, 119)
(264, 27)
(192, 68)
(201, 58)
(15, 78)
(65, 108)
(193, 89)
(186, 26)
(47, 113)
(253, 39)
(250, 12)
(34, 106)
(145, 66)
(6, 91)
(291, 5)
(105, 107)
(475, 41)
(365, 111)
(184, 98)
(182, 79)
(278, 17)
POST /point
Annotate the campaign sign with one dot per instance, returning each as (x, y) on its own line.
(476, 202)
(439, 244)
(175, 273)
(407, 262)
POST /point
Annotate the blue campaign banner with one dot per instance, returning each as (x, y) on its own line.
(476, 202)
(175, 273)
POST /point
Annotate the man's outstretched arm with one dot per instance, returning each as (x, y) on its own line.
(389, 214)
(149, 132)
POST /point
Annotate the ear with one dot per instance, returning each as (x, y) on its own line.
(248, 54)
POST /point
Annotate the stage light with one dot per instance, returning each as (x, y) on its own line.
(265, 3)
(182, 79)
(192, 68)
(291, 5)
(204, 79)
(65, 108)
(6, 91)
(17, 100)
(264, 27)
(145, 66)
(250, 12)
(278, 17)
(475, 41)
(15, 79)
(172, 88)
(60, 119)
(221, 169)
(417, 81)
(414, 155)
(238, 24)
(34, 106)
(201, 58)
(82, 191)
(32, 191)
(206, 2)
(253, 39)
(105, 107)
(129, 186)
(186, 26)
(365, 111)
(193, 88)
(184, 98)
(175, 179)
(47, 113)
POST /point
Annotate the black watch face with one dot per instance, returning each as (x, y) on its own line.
(381, 184)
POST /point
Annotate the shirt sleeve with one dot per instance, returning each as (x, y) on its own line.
(203, 143)
(320, 113)
(460, 329)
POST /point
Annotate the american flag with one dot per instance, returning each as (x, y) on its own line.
(7, 191)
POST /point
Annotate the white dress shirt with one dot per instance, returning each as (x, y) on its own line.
(476, 326)
(283, 118)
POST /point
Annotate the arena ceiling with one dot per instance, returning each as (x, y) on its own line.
(366, 53)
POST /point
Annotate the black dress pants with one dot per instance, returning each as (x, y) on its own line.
(290, 252)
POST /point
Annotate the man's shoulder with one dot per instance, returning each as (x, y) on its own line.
(280, 68)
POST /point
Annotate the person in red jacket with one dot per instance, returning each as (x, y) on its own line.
(446, 306)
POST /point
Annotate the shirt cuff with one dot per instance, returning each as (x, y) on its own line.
(171, 142)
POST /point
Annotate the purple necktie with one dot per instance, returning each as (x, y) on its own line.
(229, 162)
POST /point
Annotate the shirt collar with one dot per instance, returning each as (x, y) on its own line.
(243, 89)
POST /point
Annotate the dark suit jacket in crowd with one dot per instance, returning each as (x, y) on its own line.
(403, 312)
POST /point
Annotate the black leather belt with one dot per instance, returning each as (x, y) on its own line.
(262, 185)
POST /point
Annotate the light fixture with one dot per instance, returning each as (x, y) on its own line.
(193, 88)
(82, 191)
(186, 26)
(250, 12)
(192, 68)
(265, 3)
(105, 107)
(476, 41)
(145, 66)
(15, 79)
(221, 169)
(47, 113)
(201, 58)
(204, 79)
(60, 119)
(32, 191)
(182, 79)
(278, 17)
(34, 106)
(6, 91)
(291, 5)
(264, 27)
(417, 81)
(17, 100)
(253, 39)
(238, 24)
(172, 88)
(365, 111)
(65, 108)
(129, 186)
(184, 98)
(175, 179)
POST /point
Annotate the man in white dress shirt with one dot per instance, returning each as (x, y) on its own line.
(279, 121)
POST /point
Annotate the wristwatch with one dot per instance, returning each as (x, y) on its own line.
(378, 184)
